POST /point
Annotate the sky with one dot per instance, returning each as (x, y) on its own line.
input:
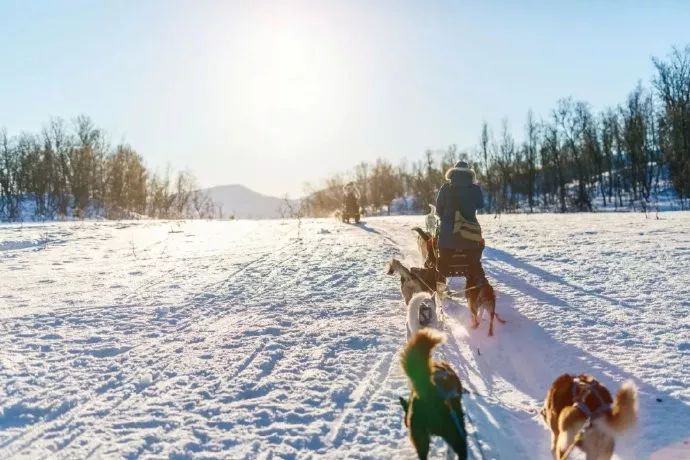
(275, 94)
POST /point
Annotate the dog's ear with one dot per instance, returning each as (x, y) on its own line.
(404, 403)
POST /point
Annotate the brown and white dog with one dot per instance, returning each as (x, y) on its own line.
(435, 403)
(573, 402)
(480, 299)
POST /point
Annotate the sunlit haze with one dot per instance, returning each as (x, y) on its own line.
(275, 94)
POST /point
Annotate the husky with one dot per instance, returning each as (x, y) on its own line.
(412, 280)
(435, 403)
(431, 221)
(479, 300)
(423, 311)
(580, 412)
(425, 244)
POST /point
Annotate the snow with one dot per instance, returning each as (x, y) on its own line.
(239, 340)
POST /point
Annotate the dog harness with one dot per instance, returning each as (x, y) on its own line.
(585, 389)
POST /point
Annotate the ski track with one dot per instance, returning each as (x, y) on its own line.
(239, 340)
(163, 352)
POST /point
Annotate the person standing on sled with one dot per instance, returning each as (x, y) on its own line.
(457, 204)
(351, 203)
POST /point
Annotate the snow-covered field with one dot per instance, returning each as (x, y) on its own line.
(239, 340)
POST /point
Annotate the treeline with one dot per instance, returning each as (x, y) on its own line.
(622, 157)
(70, 170)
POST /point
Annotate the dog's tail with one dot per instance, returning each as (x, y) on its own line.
(424, 235)
(395, 266)
(416, 360)
(624, 409)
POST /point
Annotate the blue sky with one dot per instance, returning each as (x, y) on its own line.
(275, 94)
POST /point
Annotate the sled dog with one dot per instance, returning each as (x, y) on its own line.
(480, 299)
(435, 403)
(580, 412)
(425, 246)
(422, 311)
(430, 220)
(412, 280)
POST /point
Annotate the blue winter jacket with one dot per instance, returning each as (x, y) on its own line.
(460, 193)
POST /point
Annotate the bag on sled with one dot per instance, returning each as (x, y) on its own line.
(465, 229)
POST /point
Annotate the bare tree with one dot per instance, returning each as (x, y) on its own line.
(201, 203)
(531, 157)
(672, 83)
(185, 183)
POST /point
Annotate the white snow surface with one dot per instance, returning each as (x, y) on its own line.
(239, 340)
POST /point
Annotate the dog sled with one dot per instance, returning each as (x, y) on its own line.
(464, 263)
(456, 263)
(350, 209)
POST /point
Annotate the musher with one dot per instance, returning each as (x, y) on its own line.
(457, 204)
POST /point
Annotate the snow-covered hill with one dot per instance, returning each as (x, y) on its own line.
(238, 340)
(243, 203)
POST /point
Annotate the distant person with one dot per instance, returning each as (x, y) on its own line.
(351, 203)
(457, 204)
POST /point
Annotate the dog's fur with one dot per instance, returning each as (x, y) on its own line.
(429, 411)
(430, 220)
(412, 280)
(422, 311)
(479, 300)
(425, 245)
(565, 420)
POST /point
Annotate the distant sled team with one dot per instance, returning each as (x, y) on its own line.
(350, 209)
(579, 411)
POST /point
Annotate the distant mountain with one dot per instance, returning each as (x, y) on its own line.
(243, 203)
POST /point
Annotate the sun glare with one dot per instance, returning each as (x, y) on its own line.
(297, 74)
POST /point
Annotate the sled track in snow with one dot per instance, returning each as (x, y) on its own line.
(161, 350)
(366, 390)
